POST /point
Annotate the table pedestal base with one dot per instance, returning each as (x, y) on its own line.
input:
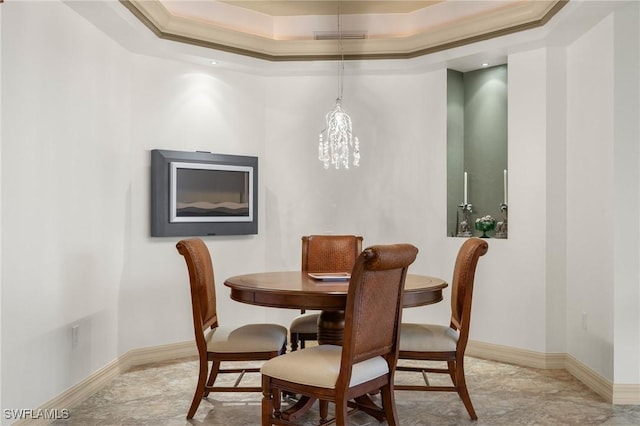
(331, 328)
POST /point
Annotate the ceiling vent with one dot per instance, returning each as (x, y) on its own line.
(344, 35)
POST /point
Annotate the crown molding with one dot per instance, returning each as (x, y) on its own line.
(517, 16)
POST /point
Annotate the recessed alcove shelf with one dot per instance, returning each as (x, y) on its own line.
(477, 149)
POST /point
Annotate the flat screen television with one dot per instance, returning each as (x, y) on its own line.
(200, 193)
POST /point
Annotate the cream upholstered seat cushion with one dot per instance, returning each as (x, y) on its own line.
(320, 365)
(305, 323)
(428, 338)
(247, 338)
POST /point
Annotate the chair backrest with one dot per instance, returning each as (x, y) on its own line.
(330, 253)
(374, 306)
(203, 292)
(462, 286)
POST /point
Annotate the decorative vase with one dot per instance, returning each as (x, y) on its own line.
(485, 224)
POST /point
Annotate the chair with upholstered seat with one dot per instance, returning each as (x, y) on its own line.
(431, 342)
(365, 363)
(216, 344)
(324, 254)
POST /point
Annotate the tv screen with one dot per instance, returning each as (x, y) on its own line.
(200, 193)
(210, 193)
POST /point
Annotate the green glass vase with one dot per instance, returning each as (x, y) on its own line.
(485, 227)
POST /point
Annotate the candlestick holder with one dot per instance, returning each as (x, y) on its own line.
(502, 229)
(463, 226)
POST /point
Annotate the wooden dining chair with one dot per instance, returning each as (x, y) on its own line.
(432, 342)
(322, 253)
(215, 343)
(365, 362)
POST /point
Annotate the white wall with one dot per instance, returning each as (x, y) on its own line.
(556, 188)
(83, 115)
(603, 192)
(590, 205)
(1, 207)
(66, 165)
(399, 192)
(80, 114)
(626, 193)
(395, 195)
(522, 294)
(182, 107)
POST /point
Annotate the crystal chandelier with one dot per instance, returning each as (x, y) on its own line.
(337, 142)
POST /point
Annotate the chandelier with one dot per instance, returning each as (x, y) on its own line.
(337, 143)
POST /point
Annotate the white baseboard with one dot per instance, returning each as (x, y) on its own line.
(590, 378)
(143, 356)
(523, 357)
(106, 374)
(626, 394)
(77, 393)
(615, 394)
(612, 393)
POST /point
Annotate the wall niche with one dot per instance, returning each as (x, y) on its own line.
(477, 169)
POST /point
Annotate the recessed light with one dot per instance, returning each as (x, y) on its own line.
(485, 64)
(214, 62)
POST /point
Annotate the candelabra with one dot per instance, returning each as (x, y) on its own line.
(463, 226)
(502, 230)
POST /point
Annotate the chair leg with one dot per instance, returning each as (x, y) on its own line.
(215, 368)
(341, 411)
(452, 371)
(463, 392)
(389, 405)
(294, 341)
(324, 410)
(200, 388)
(267, 402)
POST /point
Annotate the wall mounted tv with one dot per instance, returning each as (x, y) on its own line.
(200, 193)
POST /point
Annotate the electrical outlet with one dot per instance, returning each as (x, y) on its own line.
(74, 336)
(584, 321)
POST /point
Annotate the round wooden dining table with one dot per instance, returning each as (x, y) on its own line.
(298, 290)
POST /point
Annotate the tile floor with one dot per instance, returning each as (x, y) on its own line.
(502, 394)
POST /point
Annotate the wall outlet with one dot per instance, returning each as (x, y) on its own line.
(584, 321)
(75, 330)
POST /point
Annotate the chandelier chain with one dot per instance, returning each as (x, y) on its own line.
(341, 47)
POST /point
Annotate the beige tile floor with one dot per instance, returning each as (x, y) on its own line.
(502, 395)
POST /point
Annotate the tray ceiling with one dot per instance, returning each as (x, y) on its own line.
(307, 30)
